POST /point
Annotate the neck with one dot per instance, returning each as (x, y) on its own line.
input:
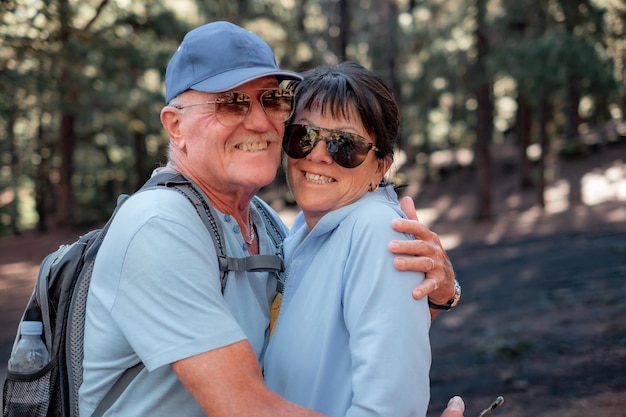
(225, 198)
(234, 202)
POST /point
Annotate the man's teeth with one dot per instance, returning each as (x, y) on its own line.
(317, 179)
(257, 146)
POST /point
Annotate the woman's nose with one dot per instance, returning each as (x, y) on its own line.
(320, 152)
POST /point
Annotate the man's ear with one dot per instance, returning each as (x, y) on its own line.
(171, 120)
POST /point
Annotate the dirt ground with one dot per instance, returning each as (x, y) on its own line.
(542, 317)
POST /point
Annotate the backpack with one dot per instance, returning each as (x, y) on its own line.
(59, 301)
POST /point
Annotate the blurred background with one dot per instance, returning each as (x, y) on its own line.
(516, 82)
(513, 146)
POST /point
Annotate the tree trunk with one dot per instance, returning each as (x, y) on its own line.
(523, 134)
(40, 176)
(67, 134)
(484, 119)
(14, 204)
(389, 53)
(483, 139)
(545, 149)
(140, 153)
(572, 115)
(67, 141)
(344, 27)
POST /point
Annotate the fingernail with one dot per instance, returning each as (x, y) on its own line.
(456, 403)
(400, 262)
(393, 245)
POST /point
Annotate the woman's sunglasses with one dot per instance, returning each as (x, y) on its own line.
(349, 150)
(232, 107)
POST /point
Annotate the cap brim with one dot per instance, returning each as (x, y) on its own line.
(232, 79)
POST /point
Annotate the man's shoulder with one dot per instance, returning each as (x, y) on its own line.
(163, 195)
(162, 202)
(151, 216)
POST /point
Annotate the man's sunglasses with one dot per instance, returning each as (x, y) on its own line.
(232, 107)
(349, 150)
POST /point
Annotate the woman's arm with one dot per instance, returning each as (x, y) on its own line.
(389, 342)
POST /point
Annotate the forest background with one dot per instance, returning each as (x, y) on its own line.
(513, 146)
(520, 82)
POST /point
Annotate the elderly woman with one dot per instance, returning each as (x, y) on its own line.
(349, 340)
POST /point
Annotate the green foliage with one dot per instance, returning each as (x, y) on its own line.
(102, 64)
(542, 43)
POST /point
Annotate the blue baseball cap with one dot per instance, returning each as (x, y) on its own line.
(220, 56)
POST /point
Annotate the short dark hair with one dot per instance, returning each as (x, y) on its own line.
(341, 87)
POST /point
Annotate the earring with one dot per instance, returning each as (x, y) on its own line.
(373, 188)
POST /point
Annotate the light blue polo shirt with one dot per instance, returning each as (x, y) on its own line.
(350, 340)
(155, 297)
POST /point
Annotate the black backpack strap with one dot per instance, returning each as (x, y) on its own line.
(117, 389)
(253, 263)
(178, 182)
(274, 230)
(276, 234)
(42, 292)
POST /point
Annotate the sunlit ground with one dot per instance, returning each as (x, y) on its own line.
(596, 198)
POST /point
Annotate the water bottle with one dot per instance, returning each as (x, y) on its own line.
(28, 397)
(30, 353)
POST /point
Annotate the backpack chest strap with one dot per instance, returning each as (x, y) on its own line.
(253, 263)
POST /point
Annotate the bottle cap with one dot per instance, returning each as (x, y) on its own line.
(31, 328)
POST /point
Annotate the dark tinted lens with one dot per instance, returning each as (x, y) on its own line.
(278, 104)
(232, 108)
(347, 151)
(297, 142)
